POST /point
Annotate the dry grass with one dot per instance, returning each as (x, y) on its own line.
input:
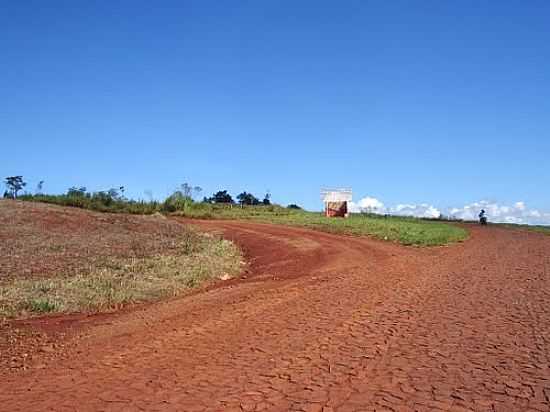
(38, 240)
(123, 268)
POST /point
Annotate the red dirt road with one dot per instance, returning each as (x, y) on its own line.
(324, 323)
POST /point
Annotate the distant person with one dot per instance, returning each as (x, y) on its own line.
(483, 217)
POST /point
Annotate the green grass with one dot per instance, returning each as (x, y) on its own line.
(408, 231)
(539, 229)
(40, 305)
(98, 203)
(117, 282)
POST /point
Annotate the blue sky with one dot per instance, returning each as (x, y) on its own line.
(444, 103)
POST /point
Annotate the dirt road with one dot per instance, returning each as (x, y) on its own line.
(324, 323)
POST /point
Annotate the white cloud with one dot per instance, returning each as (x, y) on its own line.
(520, 205)
(372, 205)
(518, 212)
(368, 205)
(421, 210)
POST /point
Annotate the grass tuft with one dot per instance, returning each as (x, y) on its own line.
(40, 305)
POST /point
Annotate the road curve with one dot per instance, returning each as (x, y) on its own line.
(324, 322)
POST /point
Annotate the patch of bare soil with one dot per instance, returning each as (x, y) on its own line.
(323, 323)
(38, 239)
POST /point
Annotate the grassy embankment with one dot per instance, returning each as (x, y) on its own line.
(408, 231)
(70, 260)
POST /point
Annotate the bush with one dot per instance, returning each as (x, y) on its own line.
(100, 202)
(177, 201)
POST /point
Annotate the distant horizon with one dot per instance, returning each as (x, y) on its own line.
(420, 107)
(518, 213)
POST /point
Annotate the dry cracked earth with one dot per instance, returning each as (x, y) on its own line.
(322, 322)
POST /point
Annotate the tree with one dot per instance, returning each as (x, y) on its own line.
(267, 198)
(186, 190)
(189, 191)
(294, 206)
(220, 196)
(15, 184)
(39, 187)
(248, 199)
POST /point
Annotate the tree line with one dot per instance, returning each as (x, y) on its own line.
(114, 199)
(244, 198)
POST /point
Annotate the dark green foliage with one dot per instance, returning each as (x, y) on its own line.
(294, 206)
(219, 197)
(14, 185)
(76, 191)
(248, 199)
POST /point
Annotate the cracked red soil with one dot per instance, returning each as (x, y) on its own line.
(323, 323)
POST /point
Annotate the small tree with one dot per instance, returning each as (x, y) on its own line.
(39, 187)
(189, 191)
(186, 190)
(15, 184)
(293, 206)
(267, 198)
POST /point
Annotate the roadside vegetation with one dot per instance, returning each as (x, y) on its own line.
(541, 229)
(184, 201)
(67, 260)
(545, 230)
(405, 230)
